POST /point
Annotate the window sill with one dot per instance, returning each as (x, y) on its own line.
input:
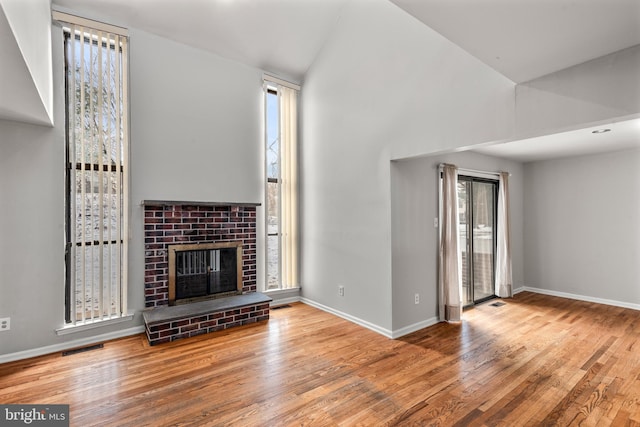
(72, 329)
(281, 291)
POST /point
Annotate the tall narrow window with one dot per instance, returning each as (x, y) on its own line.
(97, 172)
(273, 190)
(281, 187)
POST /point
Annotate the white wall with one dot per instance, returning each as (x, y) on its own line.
(196, 124)
(384, 86)
(414, 190)
(26, 88)
(196, 134)
(582, 233)
(32, 225)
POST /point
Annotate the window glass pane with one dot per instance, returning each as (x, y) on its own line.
(483, 239)
(273, 207)
(273, 195)
(273, 143)
(463, 230)
(476, 208)
(96, 173)
(273, 266)
(97, 213)
(97, 108)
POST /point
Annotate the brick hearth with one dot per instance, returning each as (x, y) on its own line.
(182, 321)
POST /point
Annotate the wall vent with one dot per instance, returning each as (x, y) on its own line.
(82, 349)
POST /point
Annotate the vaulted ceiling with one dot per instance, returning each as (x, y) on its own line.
(279, 36)
(526, 39)
(521, 39)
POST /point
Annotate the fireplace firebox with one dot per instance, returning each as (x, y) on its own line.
(204, 271)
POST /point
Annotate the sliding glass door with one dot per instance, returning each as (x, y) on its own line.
(477, 224)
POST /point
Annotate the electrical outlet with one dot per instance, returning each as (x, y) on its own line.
(341, 290)
(5, 324)
(417, 298)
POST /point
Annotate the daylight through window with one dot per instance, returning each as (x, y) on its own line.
(281, 187)
(97, 174)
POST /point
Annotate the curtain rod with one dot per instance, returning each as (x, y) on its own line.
(273, 79)
(60, 16)
(441, 165)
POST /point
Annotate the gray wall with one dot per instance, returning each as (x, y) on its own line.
(414, 190)
(32, 225)
(196, 134)
(582, 227)
(383, 87)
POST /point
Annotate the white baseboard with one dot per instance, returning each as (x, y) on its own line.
(382, 331)
(387, 333)
(415, 327)
(581, 297)
(82, 342)
(284, 301)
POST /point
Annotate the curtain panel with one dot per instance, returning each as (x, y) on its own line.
(289, 176)
(504, 280)
(449, 277)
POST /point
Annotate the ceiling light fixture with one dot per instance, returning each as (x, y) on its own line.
(601, 130)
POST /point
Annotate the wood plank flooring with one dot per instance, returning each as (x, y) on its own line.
(536, 361)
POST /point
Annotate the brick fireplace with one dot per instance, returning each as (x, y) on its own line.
(167, 224)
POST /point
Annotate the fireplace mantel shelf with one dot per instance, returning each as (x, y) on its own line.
(193, 203)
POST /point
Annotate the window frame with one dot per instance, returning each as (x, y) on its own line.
(471, 178)
(273, 90)
(112, 38)
(286, 181)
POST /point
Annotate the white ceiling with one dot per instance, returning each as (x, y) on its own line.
(622, 136)
(279, 36)
(521, 39)
(526, 39)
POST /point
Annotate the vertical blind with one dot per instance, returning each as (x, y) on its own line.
(289, 174)
(282, 184)
(97, 173)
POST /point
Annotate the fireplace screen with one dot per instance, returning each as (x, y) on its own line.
(204, 271)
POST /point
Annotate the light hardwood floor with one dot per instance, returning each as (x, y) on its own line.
(538, 360)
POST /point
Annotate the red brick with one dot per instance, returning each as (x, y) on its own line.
(198, 319)
(189, 328)
(208, 323)
(179, 323)
(180, 336)
(168, 332)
